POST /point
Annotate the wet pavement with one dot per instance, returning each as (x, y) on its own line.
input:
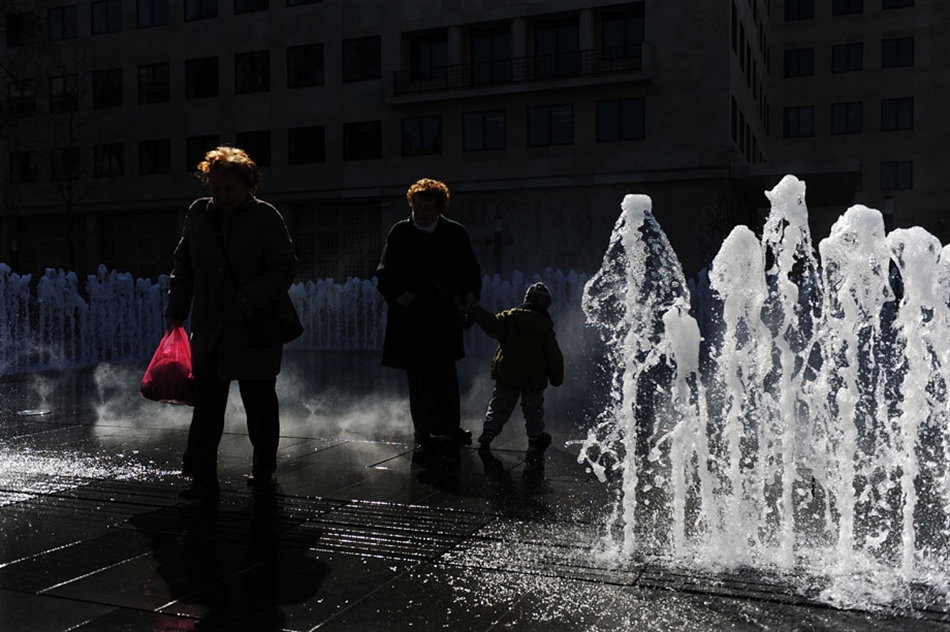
(362, 532)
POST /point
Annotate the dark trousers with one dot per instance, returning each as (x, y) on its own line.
(207, 423)
(434, 401)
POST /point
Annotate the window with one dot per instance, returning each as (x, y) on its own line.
(555, 48)
(155, 156)
(256, 144)
(153, 83)
(735, 28)
(22, 167)
(800, 62)
(483, 130)
(898, 174)
(897, 4)
(361, 59)
(63, 94)
(847, 118)
(306, 145)
(847, 57)
(248, 6)
(620, 119)
(201, 78)
(62, 23)
(734, 120)
(305, 66)
(799, 122)
(22, 98)
(196, 147)
(897, 114)
(252, 72)
(743, 128)
(422, 136)
(152, 13)
(622, 34)
(64, 163)
(21, 29)
(897, 52)
(429, 56)
(491, 57)
(109, 160)
(744, 50)
(106, 17)
(845, 7)
(107, 88)
(799, 10)
(551, 125)
(363, 141)
(200, 9)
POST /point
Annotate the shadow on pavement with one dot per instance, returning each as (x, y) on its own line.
(231, 566)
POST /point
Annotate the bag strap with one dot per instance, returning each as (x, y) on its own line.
(216, 219)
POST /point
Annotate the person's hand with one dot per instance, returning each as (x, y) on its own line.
(175, 322)
(243, 302)
(405, 299)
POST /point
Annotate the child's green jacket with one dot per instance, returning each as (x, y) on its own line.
(528, 355)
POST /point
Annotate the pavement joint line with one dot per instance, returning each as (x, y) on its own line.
(365, 597)
(38, 555)
(95, 572)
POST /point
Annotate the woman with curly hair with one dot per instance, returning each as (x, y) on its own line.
(234, 258)
(429, 276)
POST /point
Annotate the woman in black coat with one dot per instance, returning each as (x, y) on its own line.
(429, 276)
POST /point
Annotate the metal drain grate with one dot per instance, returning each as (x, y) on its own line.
(393, 530)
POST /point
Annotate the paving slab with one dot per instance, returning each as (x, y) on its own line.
(362, 532)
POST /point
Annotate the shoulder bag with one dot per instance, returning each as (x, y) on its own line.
(275, 323)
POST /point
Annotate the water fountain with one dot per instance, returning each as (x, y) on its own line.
(56, 322)
(789, 419)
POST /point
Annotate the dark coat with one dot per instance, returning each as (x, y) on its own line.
(262, 256)
(439, 269)
(528, 356)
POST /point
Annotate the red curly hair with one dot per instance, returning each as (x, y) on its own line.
(431, 190)
(231, 158)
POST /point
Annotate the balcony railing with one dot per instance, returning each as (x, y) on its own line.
(585, 63)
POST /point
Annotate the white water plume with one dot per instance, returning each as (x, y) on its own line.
(793, 416)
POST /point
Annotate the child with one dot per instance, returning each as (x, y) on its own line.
(528, 357)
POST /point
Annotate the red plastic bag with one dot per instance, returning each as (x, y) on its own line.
(168, 378)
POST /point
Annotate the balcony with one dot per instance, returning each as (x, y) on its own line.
(521, 74)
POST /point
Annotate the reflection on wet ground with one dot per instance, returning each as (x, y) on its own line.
(362, 532)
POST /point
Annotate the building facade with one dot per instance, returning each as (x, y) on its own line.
(540, 115)
(868, 82)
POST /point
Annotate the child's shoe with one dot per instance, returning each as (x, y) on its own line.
(539, 442)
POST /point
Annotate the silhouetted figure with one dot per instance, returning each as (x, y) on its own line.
(527, 359)
(232, 230)
(428, 275)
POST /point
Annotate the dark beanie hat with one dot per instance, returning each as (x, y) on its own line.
(539, 295)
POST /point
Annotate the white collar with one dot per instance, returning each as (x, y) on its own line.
(426, 229)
